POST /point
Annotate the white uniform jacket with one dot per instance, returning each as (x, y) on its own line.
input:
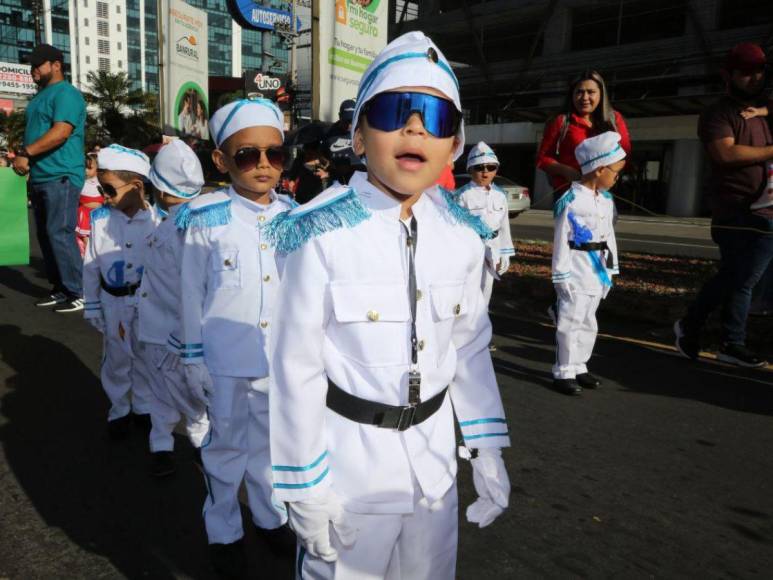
(159, 294)
(115, 253)
(490, 205)
(344, 313)
(229, 282)
(582, 215)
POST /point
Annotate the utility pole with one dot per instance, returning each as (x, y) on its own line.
(37, 10)
(161, 68)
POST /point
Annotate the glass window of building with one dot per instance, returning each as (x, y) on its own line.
(102, 11)
(104, 64)
(102, 28)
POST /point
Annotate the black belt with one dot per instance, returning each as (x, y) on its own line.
(379, 414)
(127, 290)
(609, 258)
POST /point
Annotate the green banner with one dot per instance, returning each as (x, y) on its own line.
(14, 232)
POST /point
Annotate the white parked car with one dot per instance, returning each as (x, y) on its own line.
(518, 198)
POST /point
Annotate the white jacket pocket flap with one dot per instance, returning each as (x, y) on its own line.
(370, 302)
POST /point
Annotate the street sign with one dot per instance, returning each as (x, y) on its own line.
(250, 14)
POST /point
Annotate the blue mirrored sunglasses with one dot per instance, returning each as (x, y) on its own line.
(391, 111)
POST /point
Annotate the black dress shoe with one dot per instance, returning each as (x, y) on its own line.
(229, 560)
(162, 464)
(281, 541)
(567, 386)
(142, 421)
(587, 381)
(197, 457)
(119, 428)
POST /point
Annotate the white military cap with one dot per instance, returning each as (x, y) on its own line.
(481, 154)
(242, 114)
(120, 158)
(177, 171)
(599, 151)
(410, 60)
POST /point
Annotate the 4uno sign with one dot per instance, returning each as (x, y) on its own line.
(250, 14)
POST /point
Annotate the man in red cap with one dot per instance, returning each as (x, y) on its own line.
(739, 150)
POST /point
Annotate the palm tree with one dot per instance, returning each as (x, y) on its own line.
(12, 130)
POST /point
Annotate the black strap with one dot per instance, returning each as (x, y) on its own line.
(379, 414)
(607, 255)
(119, 291)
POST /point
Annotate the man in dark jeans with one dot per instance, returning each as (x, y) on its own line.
(738, 150)
(53, 155)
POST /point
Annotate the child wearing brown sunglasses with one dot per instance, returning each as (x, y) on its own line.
(229, 286)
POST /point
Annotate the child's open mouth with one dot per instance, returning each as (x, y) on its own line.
(410, 160)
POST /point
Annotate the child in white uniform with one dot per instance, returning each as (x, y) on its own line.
(584, 258)
(177, 177)
(488, 201)
(381, 335)
(229, 286)
(112, 271)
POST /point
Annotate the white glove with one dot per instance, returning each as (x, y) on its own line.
(565, 291)
(199, 382)
(492, 486)
(504, 265)
(97, 322)
(311, 521)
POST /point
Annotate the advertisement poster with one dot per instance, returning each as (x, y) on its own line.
(15, 79)
(349, 36)
(14, 232)
(187, 71)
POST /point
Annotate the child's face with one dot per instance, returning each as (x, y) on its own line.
(118, 193)
(251, 158)
(484, 173)
(608, 175)
(409, 160)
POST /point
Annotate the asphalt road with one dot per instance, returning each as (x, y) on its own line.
(690, 237)
(666, 472)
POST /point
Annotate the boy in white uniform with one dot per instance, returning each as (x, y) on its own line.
(584, 258)
(229, 286)
(177, 177)
(381, 335)
(489, 202)
(112, 271)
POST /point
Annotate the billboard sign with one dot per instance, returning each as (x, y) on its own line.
(15, 79)
(187, 109)
(252, 14)
(349, 36)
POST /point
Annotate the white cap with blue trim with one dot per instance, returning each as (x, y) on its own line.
(410, 60)
(177, 171)
(242, 114)
(481, 154)
(599, 151)
(119, 158)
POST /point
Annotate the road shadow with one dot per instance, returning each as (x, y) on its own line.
(98, 492)
(14, 279)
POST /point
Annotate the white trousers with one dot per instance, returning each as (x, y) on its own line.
(193, 411)
(125, 377)
(236, 450)
(487, 285)
(165, 412)
(417, 546)
(575, 335)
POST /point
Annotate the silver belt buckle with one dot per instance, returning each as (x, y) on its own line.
(405, 420)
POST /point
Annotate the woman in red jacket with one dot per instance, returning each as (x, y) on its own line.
(587, 113)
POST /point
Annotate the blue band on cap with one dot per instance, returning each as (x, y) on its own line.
(239, 105)
(607, 154)
(173, 189)
(367, 81)
(123, 149)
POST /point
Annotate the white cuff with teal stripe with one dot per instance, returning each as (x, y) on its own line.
(507, 252)
(561, 277)
(485, 432)
(301, 478)
(190, 353)
(92, 308)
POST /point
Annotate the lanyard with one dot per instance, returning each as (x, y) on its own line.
(414, 376)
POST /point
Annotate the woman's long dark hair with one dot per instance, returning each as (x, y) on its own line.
(604, 116)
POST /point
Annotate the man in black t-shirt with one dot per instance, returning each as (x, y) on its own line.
(739, 151)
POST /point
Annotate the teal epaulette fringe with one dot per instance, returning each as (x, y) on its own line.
(287, 232)
(561, 204)
(217, 214)
(607, 194)
(462, 215)
(99, 213)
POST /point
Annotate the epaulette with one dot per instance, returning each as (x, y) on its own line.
(607, 194)
(99, 213)
(461, 215)
(341, 208)
(561, 204)
(460, 190)
(203, 213)
(287, 200)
